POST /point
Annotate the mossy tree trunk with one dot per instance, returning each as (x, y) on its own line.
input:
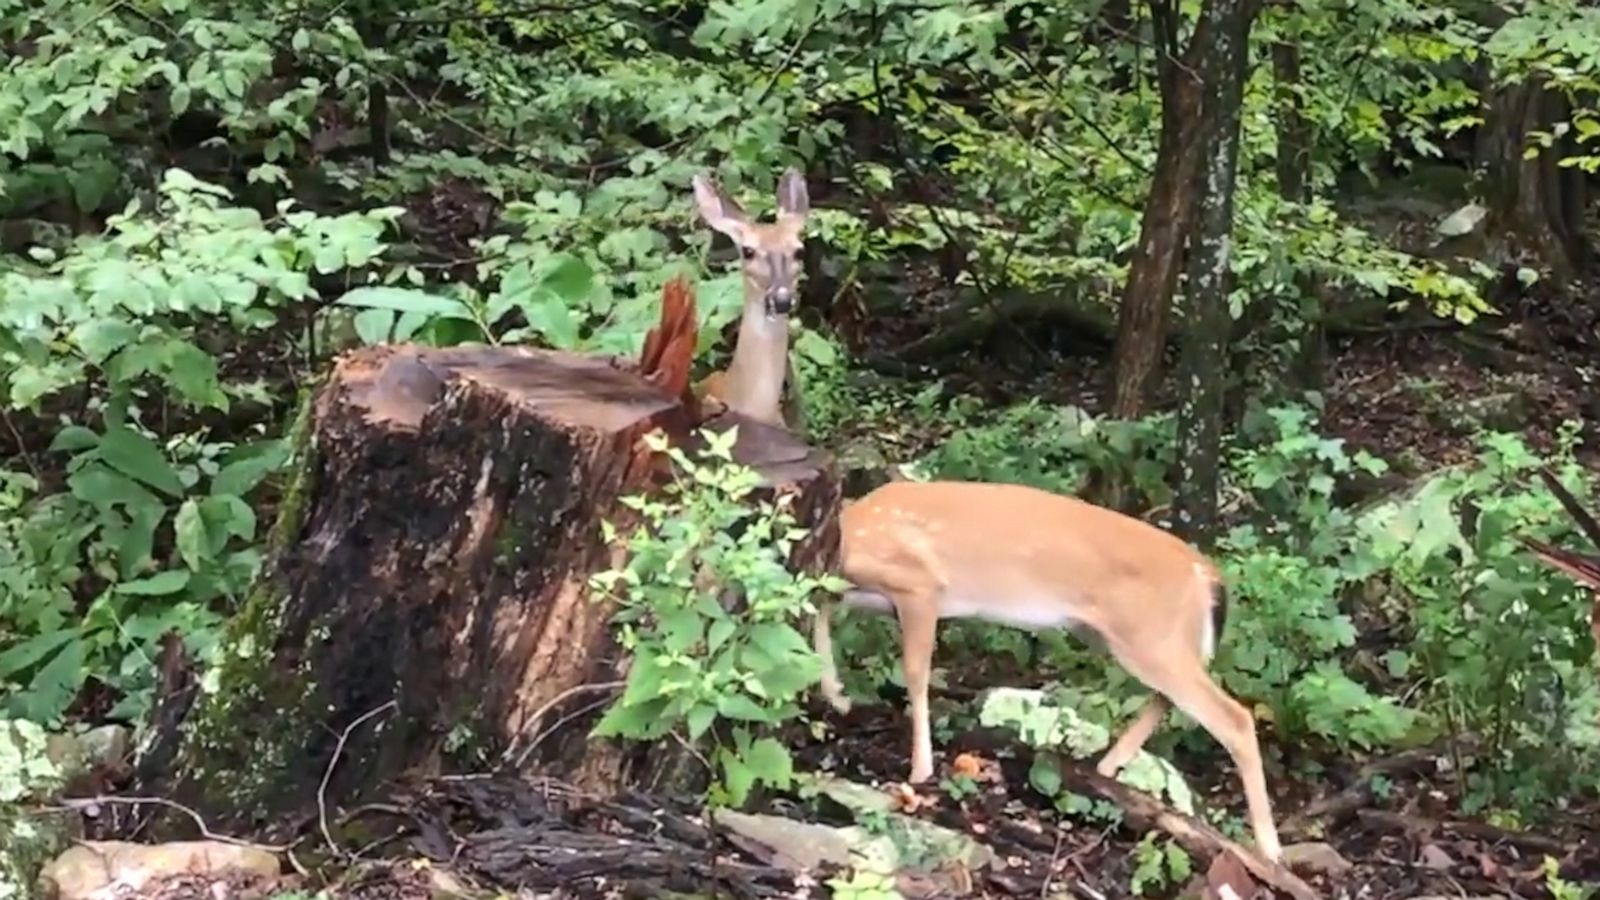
(1205, 349)
(428, 607)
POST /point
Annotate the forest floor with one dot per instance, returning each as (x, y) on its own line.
(1418, 395)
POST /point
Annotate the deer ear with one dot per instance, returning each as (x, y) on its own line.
(793, 201)
(718, 209)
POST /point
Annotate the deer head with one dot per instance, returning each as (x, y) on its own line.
(771, 250)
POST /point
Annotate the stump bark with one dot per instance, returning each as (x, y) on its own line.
(428, 605)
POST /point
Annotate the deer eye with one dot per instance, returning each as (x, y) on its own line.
(749, 252)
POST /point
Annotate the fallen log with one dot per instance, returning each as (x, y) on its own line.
(426, 603)
(1198, 838)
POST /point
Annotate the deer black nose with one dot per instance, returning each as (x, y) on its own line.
(781, 301)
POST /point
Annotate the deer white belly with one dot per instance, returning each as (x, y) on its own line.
(1033, 613)
(871, 601)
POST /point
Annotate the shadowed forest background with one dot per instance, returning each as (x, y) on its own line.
(1312, 282)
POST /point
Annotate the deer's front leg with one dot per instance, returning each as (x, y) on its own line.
(919, 623)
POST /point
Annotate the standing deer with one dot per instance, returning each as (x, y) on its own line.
(753, 384)
(1028, 558)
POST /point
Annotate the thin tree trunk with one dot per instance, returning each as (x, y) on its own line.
(378, 128)
(1293, 170)
(1142, 317)
(1205, 342)
(1168, 212)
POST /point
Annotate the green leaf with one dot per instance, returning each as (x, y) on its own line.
(100, 337)
(137, 456)
(566, 276)
(240, 475)
(699, 719)
(770, 762)
(642, 721)
(374, 325)
(198, 293)
(1045, 777)
(720, 631)
(194, 373)
(159, 585)
(812, 346)
(778, 640)
(737, 777)
(23, 656)
(74, 437)
(681, 630)
(227, 515)
(739, 706)
(56, 683)
(547, 296)
(190, 528)
(405, 300)
(99, 485)
(138, 539)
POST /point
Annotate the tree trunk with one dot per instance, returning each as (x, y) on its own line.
(1153, 271)
(1168, 211)
(429, 600)
(1293, 166)
(1205, 343)
(1164, 230)
(1535, 202)
(378, 129)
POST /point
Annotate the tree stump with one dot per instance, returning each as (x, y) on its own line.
(427, 602)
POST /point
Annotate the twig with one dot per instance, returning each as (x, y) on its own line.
(1482, 831)
(1050, 873)
(81, 803)
(1331, 809)
(788, 59)
(22, 445)
(552, 703)
(327, 774)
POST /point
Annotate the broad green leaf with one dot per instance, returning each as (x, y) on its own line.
(158, 585)
(738, 706)
(100, 337)
(227, 515)
(770, 762)
(813, 347)
(137, 456)
(1044, 776)
(101, 486)
(194, 373)
(138, 539)
(737, 777)
(373, 325)
(240, 475)
(74, 437)
(720, 631)
(190, 528)
(699, 719)
(404, 300)
(778, 640)
(56, 683)
(25, 654)
(566, 276)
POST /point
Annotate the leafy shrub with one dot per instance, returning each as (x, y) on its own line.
(153, 527)
(695, 662)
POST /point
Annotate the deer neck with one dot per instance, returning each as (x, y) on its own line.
(760, 360)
